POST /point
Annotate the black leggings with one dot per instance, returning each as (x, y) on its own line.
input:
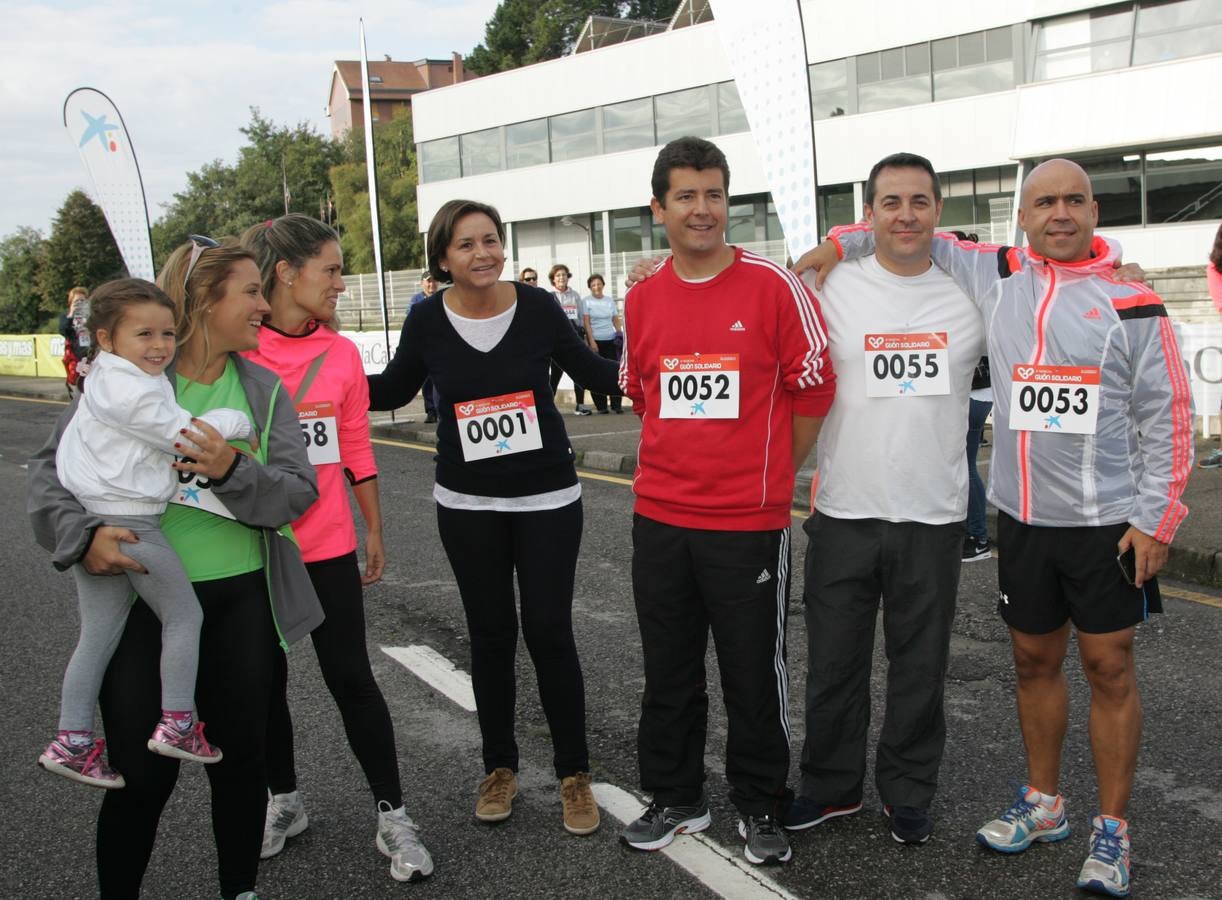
(485, 549)
(231, 695)
(339, 643)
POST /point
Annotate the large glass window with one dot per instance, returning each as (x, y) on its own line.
(1116, 181)
(684, 113)
(1184, 185)
(573, 135)
(977, 63)
(626, 231)
(829, 88)
(526, 143)
(740, 223)
(1082, 43)
(627, 126)
(481, 152)
(731, 117)
(439, 160)
(891, 78)
(1176, 30)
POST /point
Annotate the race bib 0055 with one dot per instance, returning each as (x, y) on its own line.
(699, 386)
(498, 426)
(1055, 399)
(907, 365)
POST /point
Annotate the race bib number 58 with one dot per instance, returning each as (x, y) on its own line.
(700, 386)
(318, 430)
(1055, 399)
(907, 365)
(498, 426)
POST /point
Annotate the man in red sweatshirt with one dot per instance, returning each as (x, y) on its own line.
(726, 362)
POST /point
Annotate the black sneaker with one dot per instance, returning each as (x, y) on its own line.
(974, 549)
(805, 813)
(909, 824)
(766, 841)
(658, 825)
(431, 418)
(582, 411)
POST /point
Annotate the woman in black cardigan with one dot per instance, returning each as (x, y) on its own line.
(508, 498)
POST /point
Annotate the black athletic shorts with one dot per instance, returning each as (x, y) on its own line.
(1048, 576)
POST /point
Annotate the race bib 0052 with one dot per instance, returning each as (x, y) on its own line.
(1055, 399)
(498, 426)
(699, 386)
(907, 365)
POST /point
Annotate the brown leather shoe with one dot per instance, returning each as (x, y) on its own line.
(496, 793)
(580, 810)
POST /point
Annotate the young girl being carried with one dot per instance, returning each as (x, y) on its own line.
(115, 457)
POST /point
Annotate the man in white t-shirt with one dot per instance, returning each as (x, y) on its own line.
(890, 508)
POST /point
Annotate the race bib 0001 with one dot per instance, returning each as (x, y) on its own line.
(319, 431)
(1055, 399)
(699, 386)
(907, 365)
(498, 426)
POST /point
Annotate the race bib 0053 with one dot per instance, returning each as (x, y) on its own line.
(319, 431)
(700, 386)
(195, 491)
(907, 365)
(1055, 399)
(498, 426)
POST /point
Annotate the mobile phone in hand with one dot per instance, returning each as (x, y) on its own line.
(1128, 565)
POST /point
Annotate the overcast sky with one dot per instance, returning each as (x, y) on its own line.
(184, 77)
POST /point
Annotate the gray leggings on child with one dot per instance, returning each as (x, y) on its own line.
(105, 602)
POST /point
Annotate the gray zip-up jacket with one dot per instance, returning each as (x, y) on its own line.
(264, 496)
(1041, 312)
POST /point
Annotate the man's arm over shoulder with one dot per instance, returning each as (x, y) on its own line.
(806, 364)
(1161, 406)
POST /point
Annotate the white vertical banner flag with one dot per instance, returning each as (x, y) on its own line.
(371, 167)
(766, 47)
(98, 133)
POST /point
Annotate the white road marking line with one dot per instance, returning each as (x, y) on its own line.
(434, 669)
(573, 437)
(724, 872)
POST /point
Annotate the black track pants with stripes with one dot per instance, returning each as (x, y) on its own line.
(736, 583)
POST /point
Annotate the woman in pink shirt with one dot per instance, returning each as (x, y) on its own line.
(301, 264)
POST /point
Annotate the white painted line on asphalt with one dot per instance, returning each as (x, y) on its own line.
(725, 873)
(434, 669)
(573, 437)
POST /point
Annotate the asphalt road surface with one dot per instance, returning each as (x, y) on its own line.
(46, 823)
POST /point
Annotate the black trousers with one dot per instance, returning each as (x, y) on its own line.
(231, 695)
(686, 581)
(486, 549)
(914, 568)
(339, 643)
(607, 350)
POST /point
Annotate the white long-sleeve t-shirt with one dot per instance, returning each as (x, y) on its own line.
(115, 454)
(898, 455)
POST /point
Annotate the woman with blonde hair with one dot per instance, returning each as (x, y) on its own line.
(249, 579)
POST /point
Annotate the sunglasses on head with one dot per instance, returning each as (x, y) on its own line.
(199, 243)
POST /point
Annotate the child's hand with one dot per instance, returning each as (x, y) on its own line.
(207, 452)
(375, 559)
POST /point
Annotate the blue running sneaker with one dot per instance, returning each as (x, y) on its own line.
(1106, 870)
(1024, 822)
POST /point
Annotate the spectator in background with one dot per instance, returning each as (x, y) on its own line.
(76, 339)
(428, 286)
(570, 302)
(529, 276)
(1213, 278)
(601, 319)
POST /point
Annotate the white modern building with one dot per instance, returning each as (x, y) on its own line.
(564, 149)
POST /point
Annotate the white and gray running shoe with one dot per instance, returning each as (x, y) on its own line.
(658, 825)
(286, 818)
(766, 841)
(399, 839)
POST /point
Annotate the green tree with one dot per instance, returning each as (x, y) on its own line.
(80, 251)
(223, 199)
(20, 260)
(521, 32)
(395, 152)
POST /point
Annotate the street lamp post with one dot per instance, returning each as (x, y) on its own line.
(569, 220)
